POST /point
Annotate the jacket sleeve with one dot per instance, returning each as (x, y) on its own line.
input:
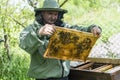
(29, 39)
(81, 28)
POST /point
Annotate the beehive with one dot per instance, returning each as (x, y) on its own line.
(96, 69)
(69, 44)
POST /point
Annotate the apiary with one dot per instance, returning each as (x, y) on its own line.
(96, 69)
(69, 44)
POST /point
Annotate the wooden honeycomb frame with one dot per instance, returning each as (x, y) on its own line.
(69, 44)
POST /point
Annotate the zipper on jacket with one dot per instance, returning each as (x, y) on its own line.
(62, 69)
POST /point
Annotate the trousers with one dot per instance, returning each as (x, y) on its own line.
(64, 78)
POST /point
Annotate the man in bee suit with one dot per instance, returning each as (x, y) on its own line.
(35, 37)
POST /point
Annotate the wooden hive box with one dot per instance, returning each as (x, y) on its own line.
(69, 44)
(96, 69)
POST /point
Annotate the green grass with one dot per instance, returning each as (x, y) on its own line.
(16, 68)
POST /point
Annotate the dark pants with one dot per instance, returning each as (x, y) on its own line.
(65, 78)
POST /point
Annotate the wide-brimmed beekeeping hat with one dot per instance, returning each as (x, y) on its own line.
(50, 5)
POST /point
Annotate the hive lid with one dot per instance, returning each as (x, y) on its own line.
(69, 44)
